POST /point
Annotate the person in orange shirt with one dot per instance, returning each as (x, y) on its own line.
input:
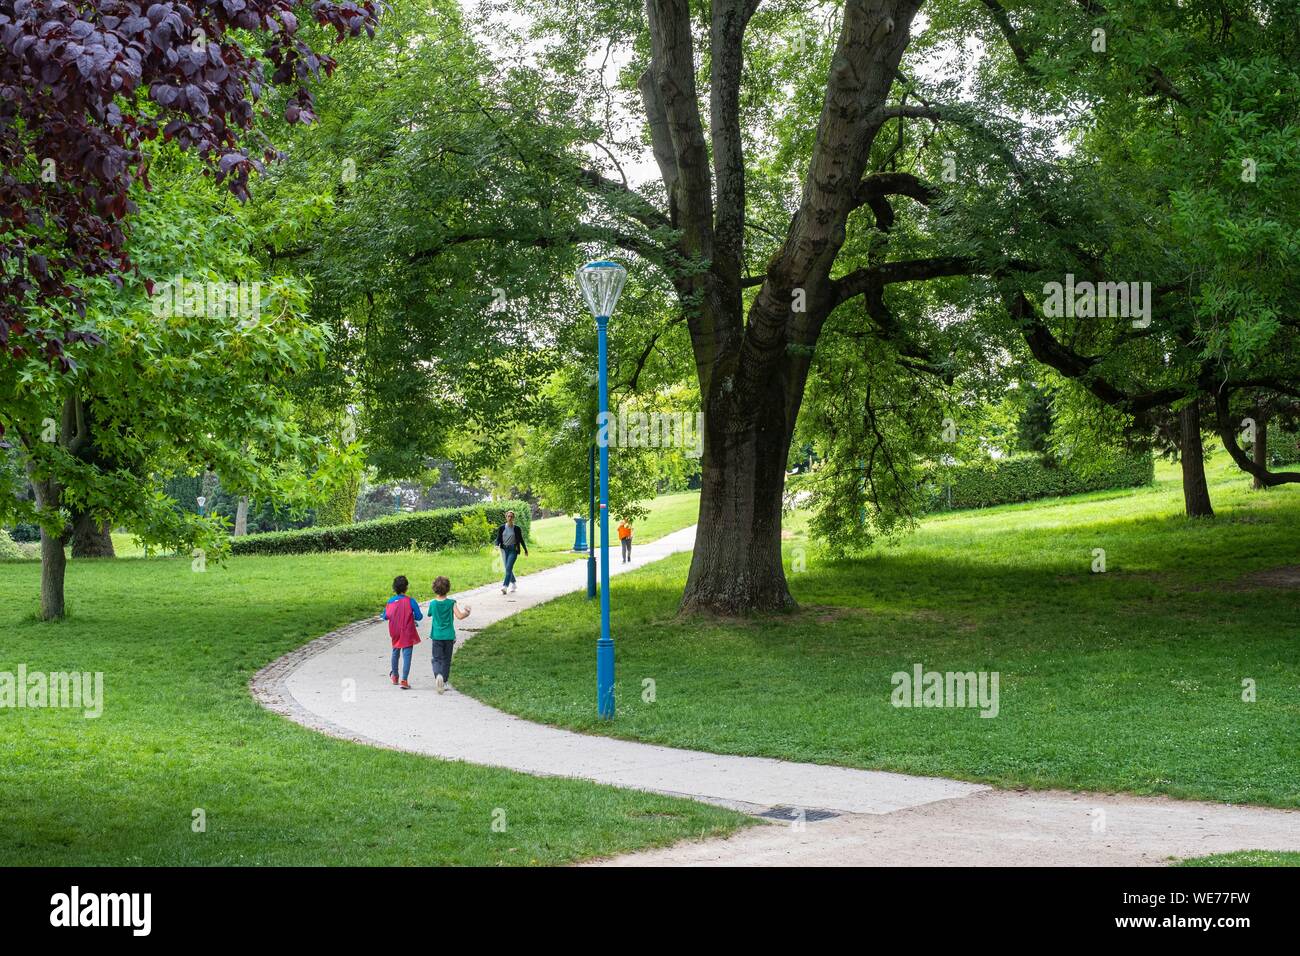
(625, 540)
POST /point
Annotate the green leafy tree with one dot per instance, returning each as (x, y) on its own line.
(180, 385)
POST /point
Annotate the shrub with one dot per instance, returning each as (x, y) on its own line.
(26, 533)
(472, 531)
(340, 505)
(423, 530)
(1283, 447)
(8, 550)
(983, 484)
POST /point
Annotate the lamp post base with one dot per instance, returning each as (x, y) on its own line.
(605, 679)
(591, 578)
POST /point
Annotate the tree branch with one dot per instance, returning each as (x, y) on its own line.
(1047, 349)
(631, 383)
(860, 281)
(672, 72)
(875, 187)
(1003, 21)
(727, 32)
(642, 247)
(1228, 435)
(639, 208)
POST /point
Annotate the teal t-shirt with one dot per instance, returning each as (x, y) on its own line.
(444, 621)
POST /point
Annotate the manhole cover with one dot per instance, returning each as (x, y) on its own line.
(798, 813)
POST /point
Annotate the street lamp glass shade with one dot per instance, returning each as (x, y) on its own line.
(602, 283)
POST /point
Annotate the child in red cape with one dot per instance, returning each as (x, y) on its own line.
(401, 613)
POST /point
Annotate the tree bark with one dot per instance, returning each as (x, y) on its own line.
(1196, 492)
(74, 436)
(736, 566)
(1260, 451)
(90, 538)
(241, 517)
(54, 560)
(54, 566)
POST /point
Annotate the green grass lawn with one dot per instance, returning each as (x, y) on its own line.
(1244, 858)
(1128, 680)
(667, 513)
(179, 732)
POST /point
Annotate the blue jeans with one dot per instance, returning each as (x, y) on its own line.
(509, 555)
(442, 658)
(405, 652)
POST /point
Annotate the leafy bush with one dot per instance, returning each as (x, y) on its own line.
(340, 505)
(26, 532)
(1026, 477)
(8, 550)
(423, 530)
(1283, 447)
(472, 531)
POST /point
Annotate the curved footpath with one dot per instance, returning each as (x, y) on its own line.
(338, 684)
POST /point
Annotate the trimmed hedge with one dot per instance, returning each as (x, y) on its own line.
(1283, 447)
(983, 484)
(9, 550)
(25, 533)
(429, 530)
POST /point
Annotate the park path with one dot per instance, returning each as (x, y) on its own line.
(338, 684)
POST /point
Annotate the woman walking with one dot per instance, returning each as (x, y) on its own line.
(510, 539)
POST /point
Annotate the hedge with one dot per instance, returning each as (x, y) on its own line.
(1025, 477)
(25, 533)
(1283, 447)
(9, 550)
(428, 530)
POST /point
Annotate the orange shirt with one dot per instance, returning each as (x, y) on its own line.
(624, 531)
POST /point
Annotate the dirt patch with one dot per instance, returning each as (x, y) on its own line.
(1287, 576)
(830, 613)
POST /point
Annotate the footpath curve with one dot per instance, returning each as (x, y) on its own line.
(338, 684)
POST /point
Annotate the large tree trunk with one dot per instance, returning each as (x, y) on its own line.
(90, 538)
(54, 561)
(752, 373)
(54, 566)
(1196, 492)
(241, 517)
(74, 436)
(1260, 451)
(736, 567)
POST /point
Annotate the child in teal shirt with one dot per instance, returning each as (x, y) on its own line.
(443, 613)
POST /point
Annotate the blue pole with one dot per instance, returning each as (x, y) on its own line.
(604, 646)
(591, 528)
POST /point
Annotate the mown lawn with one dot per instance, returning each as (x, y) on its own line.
(1128, 680)
(179, 733)
(1245, 858)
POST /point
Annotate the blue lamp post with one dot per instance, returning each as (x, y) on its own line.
(591, 524)
(601, 284)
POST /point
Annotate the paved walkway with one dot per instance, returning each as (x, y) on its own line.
(339, 685)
